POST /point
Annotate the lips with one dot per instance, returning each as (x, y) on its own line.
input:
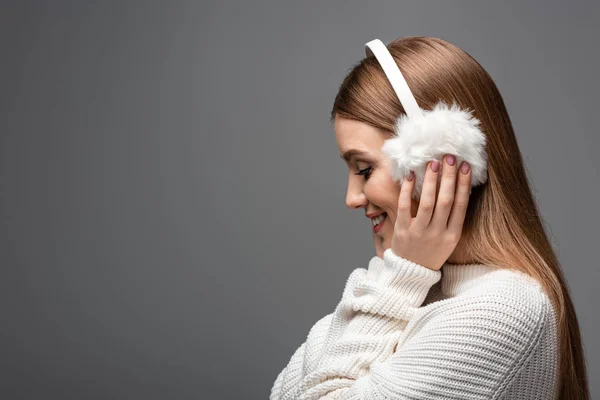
(377, 228)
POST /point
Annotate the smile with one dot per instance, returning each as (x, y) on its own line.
(378, 222)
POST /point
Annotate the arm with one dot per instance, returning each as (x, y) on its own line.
(478, 347)
(376, 304)
(296, 368)
(293, 371)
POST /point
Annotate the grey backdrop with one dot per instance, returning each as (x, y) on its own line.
(173, 217)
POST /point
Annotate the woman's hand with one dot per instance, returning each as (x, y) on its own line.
(431, 237)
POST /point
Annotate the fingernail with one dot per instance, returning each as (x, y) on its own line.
(464, 168)
(411, 176)
(435, 165)
(451, 159)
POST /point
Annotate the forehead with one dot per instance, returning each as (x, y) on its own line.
(356, 135)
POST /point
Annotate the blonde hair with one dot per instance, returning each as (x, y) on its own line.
(503, 226)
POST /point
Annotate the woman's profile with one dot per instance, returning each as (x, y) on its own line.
(465, 297)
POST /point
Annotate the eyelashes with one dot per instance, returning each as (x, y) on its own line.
(366, 172)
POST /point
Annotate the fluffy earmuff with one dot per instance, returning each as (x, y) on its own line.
(425, 135)
(443, 130)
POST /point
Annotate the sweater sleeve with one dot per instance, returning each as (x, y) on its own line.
(479, 348)
(376, 304)
(296, 368)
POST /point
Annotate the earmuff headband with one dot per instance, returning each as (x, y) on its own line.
(376, 48)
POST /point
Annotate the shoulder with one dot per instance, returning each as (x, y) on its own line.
(514, 293)
(320, 327)
(495, 337)
(504, 310)
(521, 316)
(506, 291)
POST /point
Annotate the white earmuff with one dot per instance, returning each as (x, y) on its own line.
(425, 135)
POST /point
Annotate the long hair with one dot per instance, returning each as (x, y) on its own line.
(503, 226)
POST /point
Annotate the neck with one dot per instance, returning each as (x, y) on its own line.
(460, 256)
(460, 277)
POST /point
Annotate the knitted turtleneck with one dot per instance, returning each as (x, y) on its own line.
(403, 331)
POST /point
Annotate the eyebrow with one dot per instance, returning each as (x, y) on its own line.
(353, 153)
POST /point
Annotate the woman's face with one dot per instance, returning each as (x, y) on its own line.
(374, 190)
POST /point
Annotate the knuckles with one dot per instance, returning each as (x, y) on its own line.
(445, 201)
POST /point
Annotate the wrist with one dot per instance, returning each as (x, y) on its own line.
(393, 286)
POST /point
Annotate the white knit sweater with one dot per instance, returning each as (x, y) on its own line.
(403, 331)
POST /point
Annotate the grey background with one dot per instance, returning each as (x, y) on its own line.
(173, 217)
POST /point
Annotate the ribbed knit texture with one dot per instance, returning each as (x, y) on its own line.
(403, 331)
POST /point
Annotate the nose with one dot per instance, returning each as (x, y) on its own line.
(355, 197)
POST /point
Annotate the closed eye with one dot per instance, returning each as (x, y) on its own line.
(366, 172)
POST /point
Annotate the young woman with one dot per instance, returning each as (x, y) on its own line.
(465, 298)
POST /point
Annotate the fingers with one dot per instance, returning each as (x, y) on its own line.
(445, 197)
(403, 216)
(461, 201)
(428, 192)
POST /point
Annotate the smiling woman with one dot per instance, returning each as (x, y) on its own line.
(376, 192)
(465, 297)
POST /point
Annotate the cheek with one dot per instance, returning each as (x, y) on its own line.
(383, 192)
